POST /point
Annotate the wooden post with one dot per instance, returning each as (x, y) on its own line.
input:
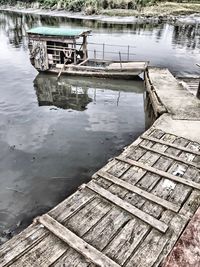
(198, 90)
(120, 59)
(75, 52)
(128, 52)
(85, 52)
(95, 54)
(103, 51)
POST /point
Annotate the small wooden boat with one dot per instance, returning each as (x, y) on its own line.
(65, 51)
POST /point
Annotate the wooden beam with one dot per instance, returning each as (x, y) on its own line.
(160, 201)
(184, 149)
(128, 207)
(77, 243)
(159, 172)
(158, 107)
(193, 164)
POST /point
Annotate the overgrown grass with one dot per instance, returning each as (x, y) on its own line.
(163, 9)
(115, 7)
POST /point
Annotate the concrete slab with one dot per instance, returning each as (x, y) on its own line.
(184, 128)
(179, 102)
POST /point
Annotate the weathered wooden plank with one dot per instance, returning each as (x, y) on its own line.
(76, 242)
(133, 151)
(149, 180)
(153, 182)
(150, 249)
(81, 222)
(160, 191)
(71, 205)
(29, 238)
(170, 144)
(161, 173)
(148, 207)
(128, 207)
(187, 211)
(16, 247)
(167, 189)
(143, 193)
(129, 150)
(102, 233)
(43, 254)
(126, 241)
(191, 204)
(171, 156)
(71, 258)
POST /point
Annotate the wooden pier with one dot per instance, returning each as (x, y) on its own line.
(135, 208)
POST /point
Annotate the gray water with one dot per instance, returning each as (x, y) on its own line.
(55, 134)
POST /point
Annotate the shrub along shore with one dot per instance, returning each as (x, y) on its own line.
(112, 7)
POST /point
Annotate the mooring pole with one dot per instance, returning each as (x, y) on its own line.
(103, 51)
(198, 90)
(128, 52)
(120, 59)
(95, 54)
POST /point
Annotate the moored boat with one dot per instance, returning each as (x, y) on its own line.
(65, 51)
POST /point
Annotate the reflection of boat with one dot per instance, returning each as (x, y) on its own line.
(73, 93)
(64, 51)
(64, 95)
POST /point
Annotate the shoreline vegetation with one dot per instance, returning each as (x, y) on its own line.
(121, 8)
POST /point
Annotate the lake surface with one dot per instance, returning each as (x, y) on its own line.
(55, 134)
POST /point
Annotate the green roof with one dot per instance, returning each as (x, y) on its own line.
(58, 31)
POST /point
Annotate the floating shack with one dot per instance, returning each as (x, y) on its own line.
(65, 51)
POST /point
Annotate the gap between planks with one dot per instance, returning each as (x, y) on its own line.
(77, 243)
(159, 172)
(160, 201)
(155, 223)
(145, 137)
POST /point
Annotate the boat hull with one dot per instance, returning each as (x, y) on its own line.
(113, 75)
(115, 70)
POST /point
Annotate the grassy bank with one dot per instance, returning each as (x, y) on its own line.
(160, 9)
(113, 7)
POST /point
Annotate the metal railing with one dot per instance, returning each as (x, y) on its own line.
(124, 54)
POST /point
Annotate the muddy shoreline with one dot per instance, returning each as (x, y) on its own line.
(186, 18)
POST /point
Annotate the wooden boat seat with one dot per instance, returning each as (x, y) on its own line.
(127, 66)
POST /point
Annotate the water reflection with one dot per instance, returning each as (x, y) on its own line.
(183, 34)
(77, 93)
(61, 93)
(187, 36)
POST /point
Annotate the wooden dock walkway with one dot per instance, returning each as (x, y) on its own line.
(133, 210)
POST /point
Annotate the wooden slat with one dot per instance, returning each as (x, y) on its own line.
(170, 156)
(159, 172)
(170, 144)
(18, 245)
(76, 242)
(128, 207)
(166, 204)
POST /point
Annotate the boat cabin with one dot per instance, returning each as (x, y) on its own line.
(54, 47)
